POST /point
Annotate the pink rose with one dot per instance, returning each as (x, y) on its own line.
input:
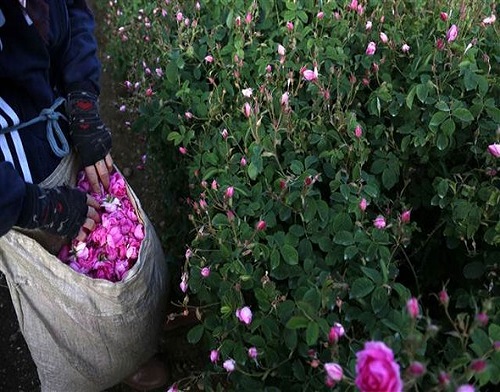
(371, 48)
(244, 315)
(379, 222)
(412, 307)
(452, 33)
(214, 356)
(494, 149)
(376, 369)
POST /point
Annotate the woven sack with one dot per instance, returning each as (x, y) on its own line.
(84, 334)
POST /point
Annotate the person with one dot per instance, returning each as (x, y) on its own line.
(49, 89)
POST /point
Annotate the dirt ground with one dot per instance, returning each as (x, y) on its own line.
(17, 370)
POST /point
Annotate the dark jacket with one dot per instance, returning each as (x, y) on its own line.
(37, 65)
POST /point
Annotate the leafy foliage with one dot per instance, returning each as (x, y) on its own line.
(357, 181)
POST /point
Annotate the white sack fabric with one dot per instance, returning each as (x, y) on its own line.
(85, 334)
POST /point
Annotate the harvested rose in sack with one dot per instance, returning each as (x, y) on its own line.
(112, 248)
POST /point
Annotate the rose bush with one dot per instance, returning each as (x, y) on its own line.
(343, 184)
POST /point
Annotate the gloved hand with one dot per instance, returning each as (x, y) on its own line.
(90, 136)
(63, 211)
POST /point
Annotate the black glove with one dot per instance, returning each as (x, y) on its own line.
(90, 136)
(60, 210)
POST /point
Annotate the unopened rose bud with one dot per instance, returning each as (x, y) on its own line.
(252, 352)
(261, 225)
(229, 192)
(412, 307)
(379, 222)
(482, 318)
(444, 297)
(358, 131)
(478, 365)
(444, 379)
(406, 216)
(416, 369)
(214, 356)
(205, 272)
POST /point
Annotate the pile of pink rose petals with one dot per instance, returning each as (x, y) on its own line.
(112, 248)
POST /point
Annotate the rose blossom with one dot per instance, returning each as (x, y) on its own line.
(465, 388)
(362, 204)
(229, 365)
(247, 109)
(494, 149)
(376, 369)
(406, 216)
(405, 48)
(383, 37)
(252, 352)
(310, 75)
(244, 315)
(261, 225)
(205, 272)
(412, 307)
(336, 332)
(214, 356)
(334, 371)
(451, 34)
(416, 369)
(490, 19)
(371, 48)
(379, 222)
(358, 131)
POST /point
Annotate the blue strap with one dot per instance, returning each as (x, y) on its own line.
(55, 135)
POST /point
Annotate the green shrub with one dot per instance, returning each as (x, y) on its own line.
(328, 184)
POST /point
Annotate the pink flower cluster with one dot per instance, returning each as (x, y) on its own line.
(112, 248)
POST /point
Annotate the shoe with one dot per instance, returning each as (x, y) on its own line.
(149, 376)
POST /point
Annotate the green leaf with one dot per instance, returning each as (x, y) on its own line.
(361, 287)
(290, 254)
(194, 335)
(344, 238)
(274, 258)
(171, 71)
(373, 274)
(297, 322)
(463, 115)
(438, 118)
(410, 97)
(298, 370)
(390, 177)
(379, 299)
(442, 106)
(448, 127)
(312, 333)
(494, 332)
(290, 338)
(252, 171)
(422, 92)
(473, 270)
(442, 141)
